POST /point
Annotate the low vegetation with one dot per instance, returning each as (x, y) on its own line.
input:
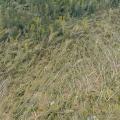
(41, 17)
(69, 70)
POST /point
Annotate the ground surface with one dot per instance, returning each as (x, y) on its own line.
(73, 77)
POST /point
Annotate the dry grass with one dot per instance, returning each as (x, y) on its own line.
(76, 77)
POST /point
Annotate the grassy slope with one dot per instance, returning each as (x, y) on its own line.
(75, 76)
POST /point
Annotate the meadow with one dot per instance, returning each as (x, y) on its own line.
(60, 60)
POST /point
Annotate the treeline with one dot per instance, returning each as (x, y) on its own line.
(37, 18)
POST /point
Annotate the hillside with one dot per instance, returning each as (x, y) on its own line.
(74, 76)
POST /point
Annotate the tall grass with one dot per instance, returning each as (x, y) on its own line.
(38, 16)
(76, 77)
